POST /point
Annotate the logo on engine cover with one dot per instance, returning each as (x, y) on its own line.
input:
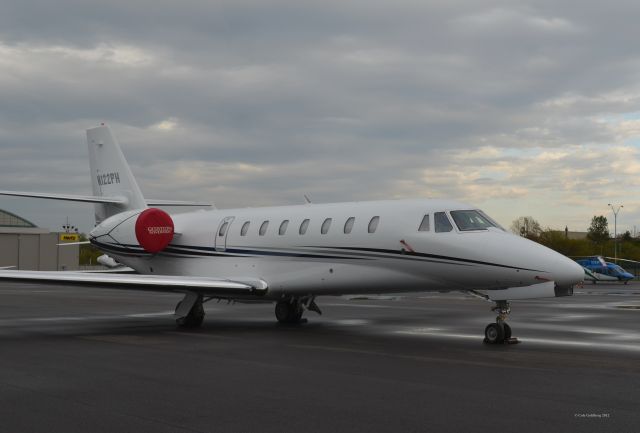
(154, 230)
(159, 230)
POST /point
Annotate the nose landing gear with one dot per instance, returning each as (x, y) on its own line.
(500, 332)
(290, 310)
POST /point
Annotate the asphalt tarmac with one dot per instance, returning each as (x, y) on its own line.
(87, 360)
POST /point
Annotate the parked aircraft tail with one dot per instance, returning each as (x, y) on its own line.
(111, 175)
(115, 190)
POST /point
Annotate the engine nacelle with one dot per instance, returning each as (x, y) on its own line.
(152, 229)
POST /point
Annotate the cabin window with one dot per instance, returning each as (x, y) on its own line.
(263, 228)
(373, 224)
(223, 228)
(283, 227)
(304, 226)
(325, 226)
(244, 229)
(348, 226)
(424, 225)
(441, 222)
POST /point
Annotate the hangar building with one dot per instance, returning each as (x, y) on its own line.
(25, 246)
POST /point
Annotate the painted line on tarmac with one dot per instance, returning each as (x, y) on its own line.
(161, 313)
(396, 307)
(347, 322)
(200, 334)
(90, 318)
(430, 332)
(415, 357)
(591, 330)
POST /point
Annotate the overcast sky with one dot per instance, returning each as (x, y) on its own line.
(520, 108)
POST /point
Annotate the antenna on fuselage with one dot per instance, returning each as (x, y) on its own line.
(307, 199)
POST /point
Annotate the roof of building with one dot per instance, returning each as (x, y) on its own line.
(8, 219)
(572, 235)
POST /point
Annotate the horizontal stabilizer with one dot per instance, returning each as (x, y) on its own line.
(102, 199)
(156, 283)
(68, 197)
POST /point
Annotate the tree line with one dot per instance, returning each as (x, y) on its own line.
(597, 242)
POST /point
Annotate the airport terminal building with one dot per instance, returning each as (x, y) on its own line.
(25, 246)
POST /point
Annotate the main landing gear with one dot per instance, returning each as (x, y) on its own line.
(500, 332)
(190, 312)
(290, 310)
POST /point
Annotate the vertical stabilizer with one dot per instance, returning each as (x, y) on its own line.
(110, 174)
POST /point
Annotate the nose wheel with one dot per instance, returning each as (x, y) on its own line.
(500, 332)
(289, 311)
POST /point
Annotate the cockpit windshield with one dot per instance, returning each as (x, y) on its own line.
(618, 269)
(468, 220)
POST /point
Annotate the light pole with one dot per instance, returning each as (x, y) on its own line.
(615, 230)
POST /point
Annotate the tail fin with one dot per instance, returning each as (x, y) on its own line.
(115, 189)
(111, 175)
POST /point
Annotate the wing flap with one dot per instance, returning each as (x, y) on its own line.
(156, 283)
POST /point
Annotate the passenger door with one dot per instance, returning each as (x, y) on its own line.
(222, 232)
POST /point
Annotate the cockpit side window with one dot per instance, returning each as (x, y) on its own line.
(424, 224)
(468, 220)
(495, 224)
(441, 222)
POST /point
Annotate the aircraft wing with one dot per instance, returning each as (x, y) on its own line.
(157, 283)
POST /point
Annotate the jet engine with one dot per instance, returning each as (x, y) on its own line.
(150, 230)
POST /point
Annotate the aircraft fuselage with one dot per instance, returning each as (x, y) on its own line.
(341, 252)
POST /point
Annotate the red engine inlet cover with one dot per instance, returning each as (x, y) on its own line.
(154, 230)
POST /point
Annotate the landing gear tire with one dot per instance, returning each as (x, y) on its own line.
(499, 332)
(288, 312)
(507, 331)
(494, 333)
(195, 317)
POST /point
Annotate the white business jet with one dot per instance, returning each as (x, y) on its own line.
(292, 254)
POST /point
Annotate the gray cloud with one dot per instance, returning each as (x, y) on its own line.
(253, 102)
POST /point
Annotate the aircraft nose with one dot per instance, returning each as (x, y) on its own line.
(563, 271)
(567, 274)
